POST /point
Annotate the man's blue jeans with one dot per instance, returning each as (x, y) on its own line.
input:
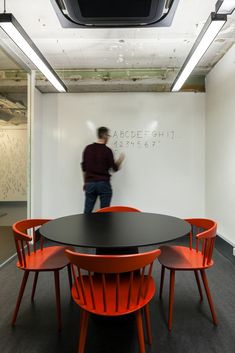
(94, 189)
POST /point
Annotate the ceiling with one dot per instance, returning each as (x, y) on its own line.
(145, 59)
(6, 62)
(13, 92)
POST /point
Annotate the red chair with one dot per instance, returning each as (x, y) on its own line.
(45, 259)
(118, 209)
(114, 290)
(180, 258)
(123, 250)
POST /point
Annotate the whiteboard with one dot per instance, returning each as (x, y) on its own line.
(13, 164)
(162, 136)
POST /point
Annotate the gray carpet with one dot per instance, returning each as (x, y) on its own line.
(7, 244)
(193, 330)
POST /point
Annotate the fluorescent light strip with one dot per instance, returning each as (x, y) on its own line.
(226, 7)
(200, 50)
(19, 40)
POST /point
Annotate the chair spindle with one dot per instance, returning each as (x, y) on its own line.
(104, 292)
(92, 290)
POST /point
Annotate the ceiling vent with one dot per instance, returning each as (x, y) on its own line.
(115, 13)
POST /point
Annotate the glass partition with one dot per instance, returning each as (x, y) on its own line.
(13, 151)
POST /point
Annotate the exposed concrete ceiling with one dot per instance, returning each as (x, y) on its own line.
(136, 80)
(13, 92)
(6, 62)
(102, 80)
(13, 110)
(146, 59)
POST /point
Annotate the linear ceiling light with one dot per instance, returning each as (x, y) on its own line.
(207, 35)
(17, 34)
(225, 7)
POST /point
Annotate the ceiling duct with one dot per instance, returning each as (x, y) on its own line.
(115, 13)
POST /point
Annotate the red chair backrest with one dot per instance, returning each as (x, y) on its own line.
(110, 267)
(21, 231)
(118, 209)
(205, 232)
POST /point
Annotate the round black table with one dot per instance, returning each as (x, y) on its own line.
(115, 230)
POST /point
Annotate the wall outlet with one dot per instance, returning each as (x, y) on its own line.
(233, 251)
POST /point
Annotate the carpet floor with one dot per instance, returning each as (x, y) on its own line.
(7, 244)
(193, 330)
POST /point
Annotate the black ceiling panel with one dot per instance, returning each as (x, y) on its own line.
(115, 13)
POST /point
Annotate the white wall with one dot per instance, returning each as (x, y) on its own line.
(165, 177)
(220, 145)
(36, 155)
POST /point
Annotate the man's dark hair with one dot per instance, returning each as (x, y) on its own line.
(101, 131)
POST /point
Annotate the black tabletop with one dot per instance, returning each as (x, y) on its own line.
(115, 230)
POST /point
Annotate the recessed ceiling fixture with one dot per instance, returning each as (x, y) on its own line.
(225, 7)
(115, 13)
(210, 30)
(17, 34)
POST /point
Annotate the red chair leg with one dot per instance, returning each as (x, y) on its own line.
(34, 285)
(83, 331)
(21, 292)
(198, 284)
(57, 293)
(148, 324)
(139, 331)
(209, 297)
(162, 281)
(171, 298)
(70, 276)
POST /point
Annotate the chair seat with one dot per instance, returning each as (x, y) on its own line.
(111, 295)
(48, 259)
(182, 258)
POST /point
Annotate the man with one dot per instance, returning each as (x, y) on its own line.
(97, 161)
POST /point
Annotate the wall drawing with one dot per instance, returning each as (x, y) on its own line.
(13, 164)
